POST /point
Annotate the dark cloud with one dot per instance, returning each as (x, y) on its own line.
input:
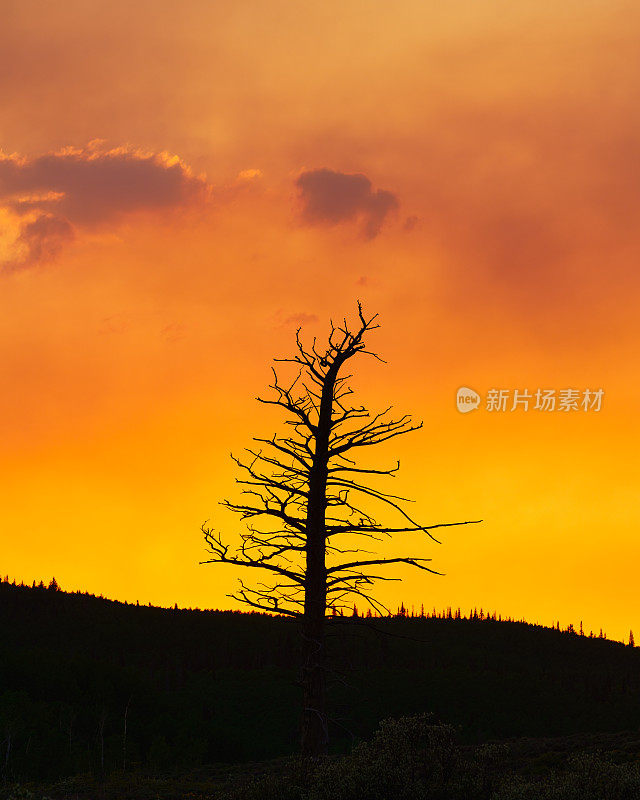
(329, 198)
(85, 187)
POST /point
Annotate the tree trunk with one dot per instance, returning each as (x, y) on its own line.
(315, 735)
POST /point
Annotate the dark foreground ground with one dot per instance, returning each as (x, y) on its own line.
(410, 759)
(104, 699)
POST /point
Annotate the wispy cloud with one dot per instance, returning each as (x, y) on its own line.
(39, 240)
(301, 318)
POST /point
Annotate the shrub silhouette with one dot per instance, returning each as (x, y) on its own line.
(588, 777)
(408, 758)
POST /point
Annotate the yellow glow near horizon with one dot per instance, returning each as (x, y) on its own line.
(137, 326)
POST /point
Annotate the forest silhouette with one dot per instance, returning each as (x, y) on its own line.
(95, 686)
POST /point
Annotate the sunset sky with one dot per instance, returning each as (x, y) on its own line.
(183, 185)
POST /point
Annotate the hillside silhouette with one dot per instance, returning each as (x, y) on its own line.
(89, 684)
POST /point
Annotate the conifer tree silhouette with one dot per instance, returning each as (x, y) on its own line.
(304, 493)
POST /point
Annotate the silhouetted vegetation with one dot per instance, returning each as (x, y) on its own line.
(411, 758)
(93, 686)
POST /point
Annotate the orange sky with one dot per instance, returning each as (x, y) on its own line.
(159, 245)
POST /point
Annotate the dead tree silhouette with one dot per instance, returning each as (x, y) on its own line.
(303, 504)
